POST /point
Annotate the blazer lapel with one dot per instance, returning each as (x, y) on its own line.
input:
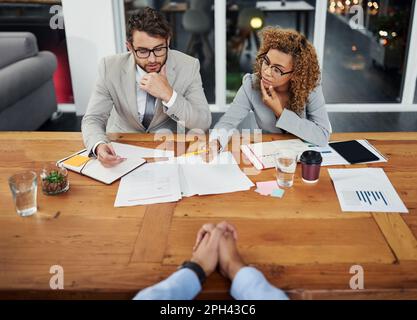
(129, 86)
(170, 69)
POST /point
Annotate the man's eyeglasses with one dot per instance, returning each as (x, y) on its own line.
(276, 72)
(143, 53)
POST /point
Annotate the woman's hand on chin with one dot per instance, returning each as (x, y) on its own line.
(271, 100)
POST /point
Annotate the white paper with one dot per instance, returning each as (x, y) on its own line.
(222, 175)
(185, 176)
(330, 156)
(129, 151)
(185, 188)
(366, 190)
(156, 182)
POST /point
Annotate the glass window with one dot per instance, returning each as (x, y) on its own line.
(364, 54)
(245, 18)
(192, 24)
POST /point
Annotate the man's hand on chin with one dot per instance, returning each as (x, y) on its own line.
(157, 85)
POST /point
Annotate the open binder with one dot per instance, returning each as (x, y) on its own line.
(92, 167)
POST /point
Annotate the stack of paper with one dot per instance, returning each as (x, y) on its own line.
(168, 181)
(365, 190)
(156, 182)
(222, 175)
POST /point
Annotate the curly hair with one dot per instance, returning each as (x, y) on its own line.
(150, 21)
(306, 75)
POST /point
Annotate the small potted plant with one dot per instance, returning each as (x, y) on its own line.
(54, 179)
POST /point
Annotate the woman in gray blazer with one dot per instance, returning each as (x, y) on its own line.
(284, 92)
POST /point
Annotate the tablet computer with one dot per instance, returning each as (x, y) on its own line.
(353, 151)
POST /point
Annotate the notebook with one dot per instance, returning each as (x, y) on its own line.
(353, 152)
(80, 162)
(262, 154)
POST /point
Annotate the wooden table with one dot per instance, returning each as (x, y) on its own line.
(303, 242)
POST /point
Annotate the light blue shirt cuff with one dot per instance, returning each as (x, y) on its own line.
(171, 101)
(181, 285)
(250, 284)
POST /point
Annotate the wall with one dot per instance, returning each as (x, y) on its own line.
(91, 35)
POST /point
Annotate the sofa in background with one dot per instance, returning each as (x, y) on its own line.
(27, 93)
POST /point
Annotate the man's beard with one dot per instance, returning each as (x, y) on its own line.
(153, 67)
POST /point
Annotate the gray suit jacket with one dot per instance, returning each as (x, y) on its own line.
(312, 125)
(113, 107)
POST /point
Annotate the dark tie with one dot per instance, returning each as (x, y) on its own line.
(149, 110)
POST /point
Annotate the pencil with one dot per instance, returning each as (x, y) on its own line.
(195, 153)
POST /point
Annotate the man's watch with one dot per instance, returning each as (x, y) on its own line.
(196, 268)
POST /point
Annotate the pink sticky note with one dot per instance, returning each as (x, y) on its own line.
(265, 188)
(262, 193)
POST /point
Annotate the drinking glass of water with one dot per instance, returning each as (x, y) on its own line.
(24, 187)
(285, 164)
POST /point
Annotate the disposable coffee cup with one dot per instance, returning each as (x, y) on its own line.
(310, 166)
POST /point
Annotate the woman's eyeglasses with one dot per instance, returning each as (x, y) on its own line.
(276, 72)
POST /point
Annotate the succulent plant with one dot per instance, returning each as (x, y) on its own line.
(54, 177)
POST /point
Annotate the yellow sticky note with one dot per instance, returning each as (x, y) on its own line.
(77, 161)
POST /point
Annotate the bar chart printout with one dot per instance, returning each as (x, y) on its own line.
(366, 190)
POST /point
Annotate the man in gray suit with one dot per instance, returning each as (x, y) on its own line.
(148, 89)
